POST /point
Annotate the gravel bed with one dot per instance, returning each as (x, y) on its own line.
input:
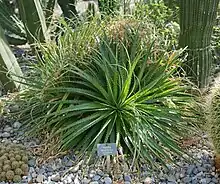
(64, 169)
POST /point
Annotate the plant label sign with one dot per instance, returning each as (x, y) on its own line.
(106, 149)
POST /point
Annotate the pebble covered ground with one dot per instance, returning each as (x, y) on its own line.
(55, 170)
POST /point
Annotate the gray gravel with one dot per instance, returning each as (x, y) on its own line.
(64, 170)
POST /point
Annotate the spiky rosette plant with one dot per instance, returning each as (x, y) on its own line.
(124, 95)
(10, 169)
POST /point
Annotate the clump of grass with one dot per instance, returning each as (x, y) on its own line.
(212, 117)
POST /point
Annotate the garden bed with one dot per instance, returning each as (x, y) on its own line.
(65, 168)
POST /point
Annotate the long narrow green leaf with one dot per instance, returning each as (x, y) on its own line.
(8, 65)
(33, 18)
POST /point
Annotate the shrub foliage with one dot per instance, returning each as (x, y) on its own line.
(127, 94)
(213, 109)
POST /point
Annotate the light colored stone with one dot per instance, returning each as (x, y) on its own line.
(94, 182)
(16, 125)
(148, 180)
(69, 179)
(8, 129)
(107, 180)
(205, 152)
(85, 181)
(75, 169)
(5, 135)
(181, 175)
(30, 179)
(91, 175)
(76, 180)
(32, 163)
(96, 177)
(171, 178)
(34, 175)
(125, 167)
(55, 178)
(127, 177)
(40, 178)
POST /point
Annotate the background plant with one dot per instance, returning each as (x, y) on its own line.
(32, 27)
(158, 12)
(172, 4)
(213, 120)
(69, 9)
(196, 31)
(166, 20)
(212, 107)
(10, 71)
(109, 7)
(26, 20)
(34, 20)
(123, 94)
(11, 24)
(215, 41)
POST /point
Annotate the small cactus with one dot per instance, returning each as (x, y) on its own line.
(2, 152)
(11, 155)
(24, 167)
(12, 159)
(6, 168)
(21, 163)
(3, 176)
(17, 178)
(7, 149)
(3, 158)
(18, 157)
(10, 175)
(13, 162)
(7, 162)
(24, 159)
(18, 171)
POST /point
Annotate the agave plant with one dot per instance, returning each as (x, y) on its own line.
(124, 95)
(8, 65)
(34, 22)
(14, 29)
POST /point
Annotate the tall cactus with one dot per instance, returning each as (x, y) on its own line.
(197, 18)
